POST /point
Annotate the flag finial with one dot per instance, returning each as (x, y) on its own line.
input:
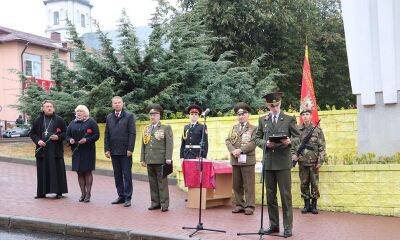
(306, 52)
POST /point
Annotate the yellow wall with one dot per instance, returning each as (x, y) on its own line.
(368, 189)
(339, 126)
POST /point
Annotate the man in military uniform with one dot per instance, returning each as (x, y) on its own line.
(243, 160)
(310, 161)
(157, 147)
(191, 137)
(277, 160)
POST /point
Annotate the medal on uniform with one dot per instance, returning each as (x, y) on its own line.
(159, 134)
(246, 137)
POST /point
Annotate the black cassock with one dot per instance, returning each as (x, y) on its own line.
(51, 176)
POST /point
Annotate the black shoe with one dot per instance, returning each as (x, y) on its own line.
(287, 233)
(307, 206)
(271, 230)
(164, 209)
(154, 207)
(82, 198)
(249, 211)
(87, 198)
(40, 196)
(238, 209)
(58, 196)
(119, 200)
(314, 206)
(127, 203)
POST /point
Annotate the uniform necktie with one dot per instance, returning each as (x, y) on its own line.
(241, 126)
(275, 119)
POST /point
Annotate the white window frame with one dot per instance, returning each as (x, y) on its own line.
(83, 20)
(56, 18)
(32, 65)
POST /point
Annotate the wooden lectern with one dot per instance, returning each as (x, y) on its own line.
(217, 183)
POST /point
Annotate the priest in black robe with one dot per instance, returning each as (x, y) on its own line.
(48, 132)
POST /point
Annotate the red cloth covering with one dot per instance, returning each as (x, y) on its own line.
(191, 172)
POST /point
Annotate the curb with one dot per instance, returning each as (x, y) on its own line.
(78, 230)
(103, 172)
(43, 225)
(4, 221)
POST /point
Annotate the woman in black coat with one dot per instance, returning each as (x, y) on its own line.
(82, 133)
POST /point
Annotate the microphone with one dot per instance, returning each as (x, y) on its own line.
(206, 112)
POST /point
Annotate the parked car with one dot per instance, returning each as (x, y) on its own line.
(16, 132)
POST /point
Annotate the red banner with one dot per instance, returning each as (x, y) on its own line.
(45, 84)
(307, 99)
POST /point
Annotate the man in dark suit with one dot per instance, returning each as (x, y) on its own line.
(119, 142)
(277, 160)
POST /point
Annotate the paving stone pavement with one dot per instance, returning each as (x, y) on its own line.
(18, 187)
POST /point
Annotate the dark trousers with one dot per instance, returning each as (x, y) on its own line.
(283, 180)
(159, 193)
(244, 185)
(122, 166)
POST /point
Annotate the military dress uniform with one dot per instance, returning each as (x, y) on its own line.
(191, 137)
(313, 155)
(277, 163)
(243, 168)
(157, 147)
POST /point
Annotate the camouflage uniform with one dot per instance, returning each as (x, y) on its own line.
(313, 155)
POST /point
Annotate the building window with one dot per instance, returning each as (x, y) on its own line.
(56, 18)
(72, 55)
(32, 65)
(83, 20)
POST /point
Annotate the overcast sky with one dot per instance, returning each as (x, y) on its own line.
(29, 15)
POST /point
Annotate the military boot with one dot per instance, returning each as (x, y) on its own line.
(306, 208)
(314, 206)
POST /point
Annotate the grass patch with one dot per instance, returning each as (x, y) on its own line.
(368, 158)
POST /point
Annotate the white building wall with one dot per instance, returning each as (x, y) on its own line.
(68, 9)
(372, 29)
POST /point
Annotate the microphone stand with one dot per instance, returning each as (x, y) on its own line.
(200, 226)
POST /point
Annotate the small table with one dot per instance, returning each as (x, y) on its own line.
(217, 183)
